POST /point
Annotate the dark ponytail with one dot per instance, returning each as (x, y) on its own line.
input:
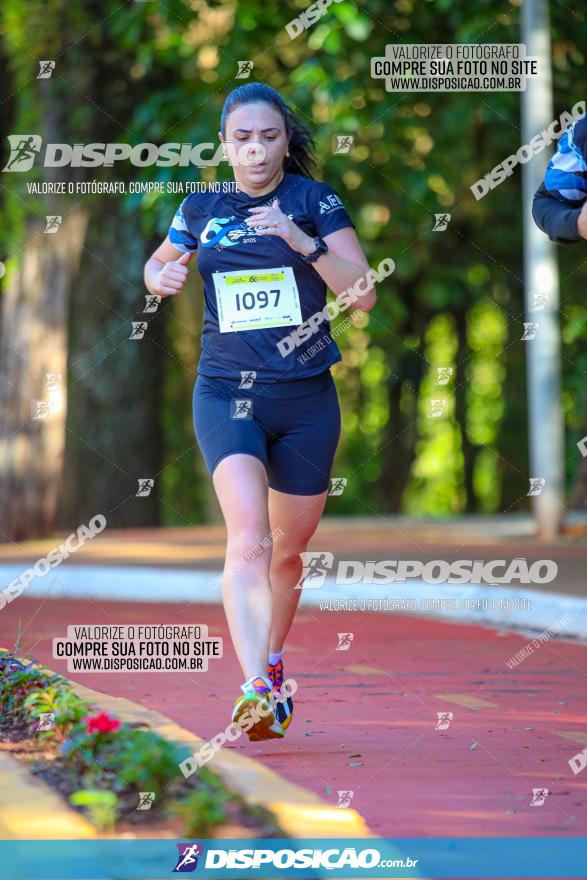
(301, 158)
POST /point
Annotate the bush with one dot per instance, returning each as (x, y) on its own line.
(16, 686)
(66, 706)
(108, 759)
(89, 753)
(102, 807)
(145, 760)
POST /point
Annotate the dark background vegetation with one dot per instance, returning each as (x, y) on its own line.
(159, 72)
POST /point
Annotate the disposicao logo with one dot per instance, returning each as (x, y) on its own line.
(24, 149)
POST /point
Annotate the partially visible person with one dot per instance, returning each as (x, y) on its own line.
(559, 207)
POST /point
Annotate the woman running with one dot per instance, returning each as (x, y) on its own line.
(266, 414)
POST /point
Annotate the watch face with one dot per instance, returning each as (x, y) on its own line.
(320, 248)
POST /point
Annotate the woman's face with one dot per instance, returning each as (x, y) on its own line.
(257, 123)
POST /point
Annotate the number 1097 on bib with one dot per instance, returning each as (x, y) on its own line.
(256, 300)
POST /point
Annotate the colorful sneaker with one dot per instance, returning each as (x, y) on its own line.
(283, 707)
(255, 711)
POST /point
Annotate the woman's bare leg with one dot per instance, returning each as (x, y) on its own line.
(297, 516)
(240, 482)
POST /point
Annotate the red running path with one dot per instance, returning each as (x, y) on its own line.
(365, 718)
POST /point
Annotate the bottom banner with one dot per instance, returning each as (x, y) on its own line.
(101, 859)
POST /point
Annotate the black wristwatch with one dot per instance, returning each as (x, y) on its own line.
(321, 248)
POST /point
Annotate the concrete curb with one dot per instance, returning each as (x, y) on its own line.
(299, 812)
(31, 810)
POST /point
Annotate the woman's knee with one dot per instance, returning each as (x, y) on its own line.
(286, 557)
(249, 543)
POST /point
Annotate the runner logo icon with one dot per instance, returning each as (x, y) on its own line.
(23, 149)
(444, 719)
(247, 378)
(244, 69)
(344, 799)
(315, 568)
(344, 641)
(189, 854)
(146, 799)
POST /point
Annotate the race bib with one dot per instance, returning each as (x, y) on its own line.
(255, 300)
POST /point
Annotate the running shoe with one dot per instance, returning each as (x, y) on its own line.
(255, 712)
(283, 706)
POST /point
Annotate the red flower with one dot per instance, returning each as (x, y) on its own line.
(101, 723)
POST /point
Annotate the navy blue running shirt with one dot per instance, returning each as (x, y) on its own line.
(212, 224)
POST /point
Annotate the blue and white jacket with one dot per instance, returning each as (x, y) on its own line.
(559, 199)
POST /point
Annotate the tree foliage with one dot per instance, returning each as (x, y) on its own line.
(159, 72)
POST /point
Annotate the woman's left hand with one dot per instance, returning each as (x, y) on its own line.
(272, 221)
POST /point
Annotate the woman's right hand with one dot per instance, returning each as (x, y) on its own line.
(172, 277)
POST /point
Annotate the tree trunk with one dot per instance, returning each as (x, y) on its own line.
(512, 441)
(33, 364)
(402, 428)
(461, 384)
(114, 436)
